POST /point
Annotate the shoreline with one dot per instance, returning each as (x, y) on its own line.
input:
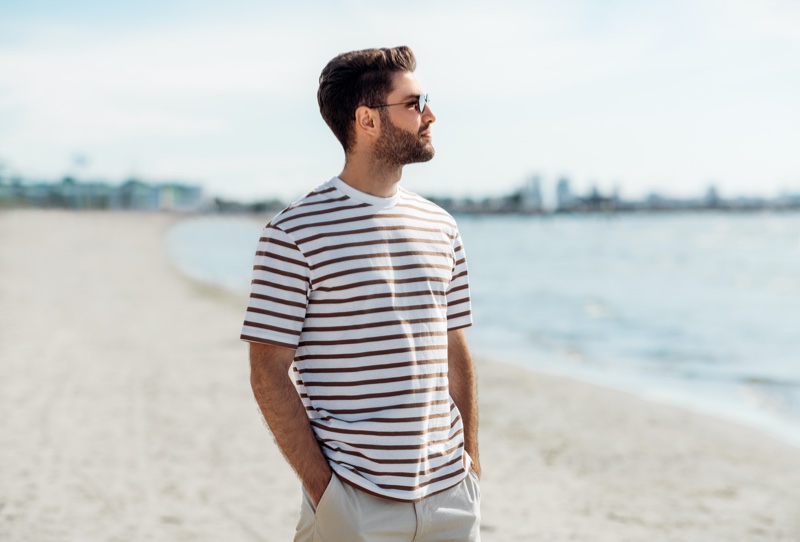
(725, 407)
(715, 410)
(130, 417)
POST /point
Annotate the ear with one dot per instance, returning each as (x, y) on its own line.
(368, 122)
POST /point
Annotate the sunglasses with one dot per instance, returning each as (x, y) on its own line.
(419, 104)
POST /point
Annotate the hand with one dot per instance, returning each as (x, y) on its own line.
(316, 490)
(477, 468)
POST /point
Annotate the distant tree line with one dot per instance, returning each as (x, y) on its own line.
(70, 193)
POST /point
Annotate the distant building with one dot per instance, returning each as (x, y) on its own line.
(72, 194)
(712, 198)
(531, 195)
(564, 198)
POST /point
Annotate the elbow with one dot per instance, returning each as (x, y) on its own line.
(257, 376)
(256, 372)
(269, 366)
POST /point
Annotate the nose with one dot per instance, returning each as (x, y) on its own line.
(428, 115)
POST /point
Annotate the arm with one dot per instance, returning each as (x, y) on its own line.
(286, 416)
(464, 391)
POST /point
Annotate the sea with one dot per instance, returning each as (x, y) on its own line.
(697, 310)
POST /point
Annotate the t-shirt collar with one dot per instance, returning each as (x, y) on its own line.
(358, 195)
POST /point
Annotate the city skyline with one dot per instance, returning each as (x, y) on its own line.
(642, 96)
(527, 198)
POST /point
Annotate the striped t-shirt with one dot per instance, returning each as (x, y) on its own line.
(366, 289)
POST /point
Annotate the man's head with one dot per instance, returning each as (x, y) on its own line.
(373, 87)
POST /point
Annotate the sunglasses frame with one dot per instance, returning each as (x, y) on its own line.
(420, 103)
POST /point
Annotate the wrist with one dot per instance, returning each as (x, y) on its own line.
(316, 487)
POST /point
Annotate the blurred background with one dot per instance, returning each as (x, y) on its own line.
(625, 174)
(626, 180)
(628, 97)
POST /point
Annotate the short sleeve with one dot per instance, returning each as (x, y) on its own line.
(459, 307)
(279, 291)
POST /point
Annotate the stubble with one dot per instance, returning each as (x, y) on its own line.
(399, 147)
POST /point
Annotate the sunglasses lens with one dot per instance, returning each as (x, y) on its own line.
(423, 99)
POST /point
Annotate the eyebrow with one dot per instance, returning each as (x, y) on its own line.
(412, 97)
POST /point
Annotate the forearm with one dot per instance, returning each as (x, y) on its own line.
(285, 414)
(464, 391)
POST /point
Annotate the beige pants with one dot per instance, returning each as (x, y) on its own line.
(346, 514)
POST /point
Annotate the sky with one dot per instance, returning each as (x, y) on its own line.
(638, 96)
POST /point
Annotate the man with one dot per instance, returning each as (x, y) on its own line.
(360, 294)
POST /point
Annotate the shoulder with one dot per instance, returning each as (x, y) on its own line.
(426, 207)
(323, 198)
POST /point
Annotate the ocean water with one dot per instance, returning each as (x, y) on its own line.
(699, 310)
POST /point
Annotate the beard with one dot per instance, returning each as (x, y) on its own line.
(399, 147)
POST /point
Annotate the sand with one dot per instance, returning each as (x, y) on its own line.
(126, 414)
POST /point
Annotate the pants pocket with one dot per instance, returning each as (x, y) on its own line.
(306, 527)
(475, 485)
(326, 495)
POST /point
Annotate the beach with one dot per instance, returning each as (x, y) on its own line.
(127, 415)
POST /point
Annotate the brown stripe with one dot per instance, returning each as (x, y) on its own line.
(369, 311)
(457, 288)
(275, 314)
(396, 446)
(393, 461)
(389, 433)
(410, 240)
(379, 281)
(315, 193)
(395, 420)
(369, 382)
(276, 271)
(261, 340)
(416, 198)
(368, 255)
(364, 217)
(427, 211)
(374, 324)
(272, 226)
(371, 367)
(458, 315)
(370, 230)
(273, 241)
(380, 295)
(278, 257)
(277, 299)
(320, 212)
(371, 353)
(285, 331)
(462, 274)
(382, 268)
(414, 474)
(348, 220)
(423, 484)
(345, 411)
(348, 397)
(279, 286)
(375, 339)
(458, 302)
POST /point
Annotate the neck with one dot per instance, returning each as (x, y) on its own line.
(371, 177)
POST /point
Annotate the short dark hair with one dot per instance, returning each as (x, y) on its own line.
(358, 78)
